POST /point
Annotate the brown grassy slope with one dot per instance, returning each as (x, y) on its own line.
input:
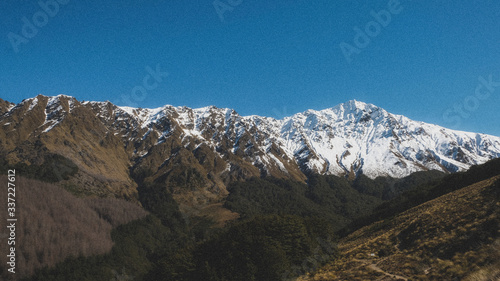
(53, 224)
(81, 136)
(453, 237)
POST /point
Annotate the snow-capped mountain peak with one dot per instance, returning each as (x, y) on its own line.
(347, 139)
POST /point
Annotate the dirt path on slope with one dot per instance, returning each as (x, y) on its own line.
(375, 267)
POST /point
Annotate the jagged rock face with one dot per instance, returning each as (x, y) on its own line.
(5, 106)
(202, 150)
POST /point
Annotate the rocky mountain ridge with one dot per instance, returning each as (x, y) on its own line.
(202, 150)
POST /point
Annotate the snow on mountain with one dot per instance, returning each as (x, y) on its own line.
(353, 137)
(348, 139)
(358, 137)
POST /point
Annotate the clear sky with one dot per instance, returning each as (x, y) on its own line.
(422, 59)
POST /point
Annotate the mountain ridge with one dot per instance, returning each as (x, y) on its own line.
(206, 148)
(353, 114)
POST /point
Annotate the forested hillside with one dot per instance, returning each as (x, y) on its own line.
(285, 229)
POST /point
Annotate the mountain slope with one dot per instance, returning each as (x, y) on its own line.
(37, 128)
(200, 151)
(453, 237)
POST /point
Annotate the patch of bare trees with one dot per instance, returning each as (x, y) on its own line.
(54, 225)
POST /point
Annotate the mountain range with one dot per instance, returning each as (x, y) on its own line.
(207, 148)
(201, 183)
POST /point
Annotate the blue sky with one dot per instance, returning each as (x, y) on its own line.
(271, 58)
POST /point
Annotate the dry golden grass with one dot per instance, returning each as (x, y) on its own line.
(219, 214)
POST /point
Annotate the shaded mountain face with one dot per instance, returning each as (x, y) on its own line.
(200, 151)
